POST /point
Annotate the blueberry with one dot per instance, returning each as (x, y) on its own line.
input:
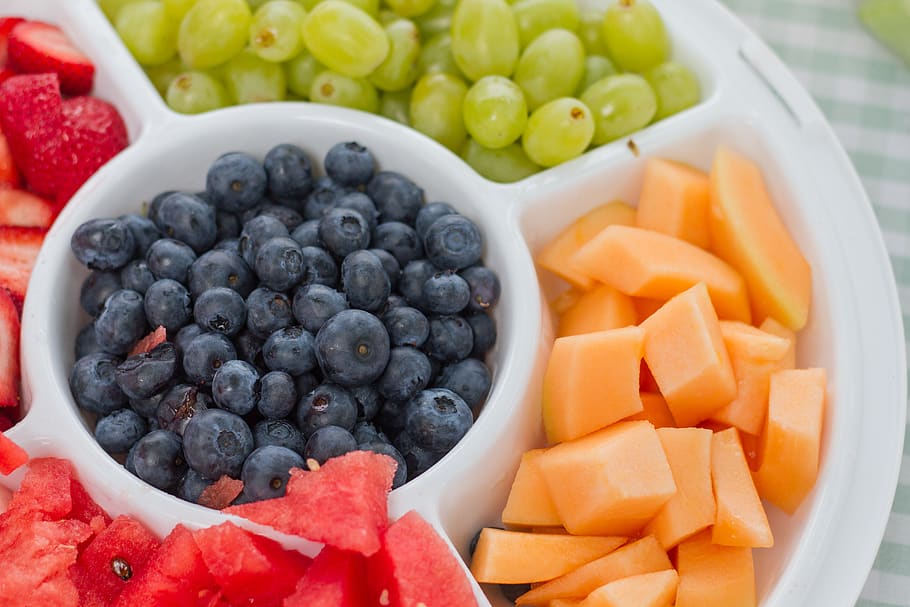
(360, 202)
(403, 441)
(453, 242)
(352, 348)
(121, 322)
(167, 304)
(412, 278)
(179, 405)
(445, 293)
(216, 443)
(169, 258)
(146, 374)
(349, 163)
(325, 194)
(286, 215)
(483, 328)
(389, 264)
(407, 326)
(289, 350)
(344, 231)
(267, 311)
(368, 402)
(278, 432)
(157, 458)
(256, 232)
(318, 267)
(187, 218)
(419, 460)
(227, 226)
(485, 288)
(266, 471)
(232, 245)
(235, 182)
(395, 301)
(451, 339)
(391, 418)
(144, 232)
(220, 310)
(384, 448)
(279, 263)
(397, 197)
(137, 276)
(307, 233)
(329, 442)
(366, 432)
(314, 304)
(307, 382)
(277, 395)
(249, 348)
(204, 355)
(192, 485)
(220, 268)
(327, 405)
(235, 387)
(437, 419)
(87, 342)
(96, 288)
(470, 379)
(290, 174)
(93, 383)
(407, 373)
(119, 431)
(400, 240)
(148, 407)
(103, 244)
(155, 204)
(185, 335)
(365, 282)
(430, 213)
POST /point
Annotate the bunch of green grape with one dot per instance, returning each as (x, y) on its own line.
(512, 88)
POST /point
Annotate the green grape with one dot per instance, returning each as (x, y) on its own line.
(213, 31)
(196, 92)
(148, 32)
(676, 87)
(337, 89)
(558, 131)
(551, 67)
(621, 105)
(370, 7)
(534, 17)
(161, 75)
(435, 110)
(495, 112)
(386, 17)
(596, 67)
(590, 31)
(437, 20)
(275, 30)
(399, 70)
(300, 73)
(177, 9)
(250, 79)
(484, 38)
(436, 56)
(345, 39)
(505, 165)
(396, 106)
(635, 35)
(110, 8)
(410, 8)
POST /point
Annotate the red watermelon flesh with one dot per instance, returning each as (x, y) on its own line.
(114, 557)
(11, 455)
(335, 579)
(221, 493)
(249, 569)
(342, 504)
(50, 491)
(416, 567)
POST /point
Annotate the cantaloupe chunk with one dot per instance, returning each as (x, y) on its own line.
(564, 603)
(755, 355)
(552, 529)
(565, 300)
(591, 381)
(656, 589)
(645, 307)
(675, 199)
(642, 556)
(775, 328)
(747, 233)
(644, 263)
(741, 519)
(515, 557)
(686, 354)
(600, 309)
(655, 411)
(556, 256)
(692, 509)
(714, 576)
(646, 381)
(791, 441)
(610, 482)
(529, 502)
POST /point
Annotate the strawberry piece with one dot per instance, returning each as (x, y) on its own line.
(149, 342)
(6, 26)
(9, 174)
(21, 208)
(37, 48)
(9, 352)
(18, 249)
(221, 493)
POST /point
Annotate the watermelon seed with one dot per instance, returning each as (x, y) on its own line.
(384, 597)
(313, 465)
(121, 568)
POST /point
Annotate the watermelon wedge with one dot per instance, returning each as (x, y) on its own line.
(11, 455)
(335, 579)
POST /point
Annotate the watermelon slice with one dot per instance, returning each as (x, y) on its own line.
(51, 491)
(11, 455)
(416, 567)
(335, 579)
(342, 504)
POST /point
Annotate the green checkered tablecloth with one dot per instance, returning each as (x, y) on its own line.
(865, 93)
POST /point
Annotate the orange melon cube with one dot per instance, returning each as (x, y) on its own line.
(645, 307)
(610, 482)
(747, 233)
(775, 328)
(656, 589)
(514, 557)
(553, 529)
(600, 309)
(714, 576)
(556, 256)
(655, 411)
(529, 503)
(791, 441)
(564, 603)
(644, 263)
(642, 556)
(686, 354)
(692, 509)
(565, 300)
(591, 381)
(675, 199)
(741, 519)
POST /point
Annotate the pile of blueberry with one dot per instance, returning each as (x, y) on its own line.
(305, 317)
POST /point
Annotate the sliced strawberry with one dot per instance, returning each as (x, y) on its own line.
(9, 352)
(36, 48)
(18, 249)
(9, 174)
(21, 208)
(6, 26)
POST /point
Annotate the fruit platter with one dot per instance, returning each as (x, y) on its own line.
(432, 303)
